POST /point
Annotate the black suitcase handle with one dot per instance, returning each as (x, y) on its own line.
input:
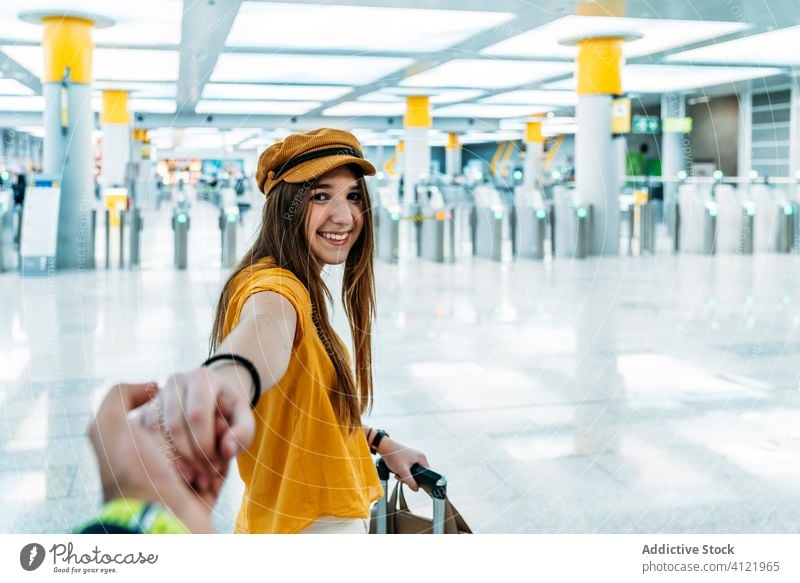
(425, 477)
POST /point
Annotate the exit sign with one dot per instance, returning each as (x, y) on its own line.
(646, 124)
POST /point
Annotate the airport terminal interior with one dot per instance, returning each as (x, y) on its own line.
(586, 239)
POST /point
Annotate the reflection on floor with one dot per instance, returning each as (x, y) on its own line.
(606, 395)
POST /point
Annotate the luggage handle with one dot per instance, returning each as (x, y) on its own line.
(432, 482)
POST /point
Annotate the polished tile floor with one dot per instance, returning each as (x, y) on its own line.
(631, 394)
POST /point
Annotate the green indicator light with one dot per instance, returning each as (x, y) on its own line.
(787, 210)
(582, 213)
(541, 214)
(712, 212)
(231, 218)
(751, 211)
(717, 174)
(498, 214)
(395, 216)
(182, 218)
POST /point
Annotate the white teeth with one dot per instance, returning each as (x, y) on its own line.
(334, 236)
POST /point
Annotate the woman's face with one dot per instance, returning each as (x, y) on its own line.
(335, 215)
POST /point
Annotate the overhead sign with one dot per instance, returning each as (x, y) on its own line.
(40, 226)
(677, 125)
(646, 124)
(621, 115)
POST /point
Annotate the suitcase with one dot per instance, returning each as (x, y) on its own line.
(424, 477)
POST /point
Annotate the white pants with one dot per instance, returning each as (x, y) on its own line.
(335, 525)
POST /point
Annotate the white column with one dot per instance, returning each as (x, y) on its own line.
(417, 151)
(744, 162)
(595, 174)
(116, 137)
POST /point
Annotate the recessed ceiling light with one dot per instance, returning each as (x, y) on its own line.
(533, 98)
(361, 108)
(657, 35)
(778, 47)
(14, 87)
(109, 64)
(305, 69)
(273, 92)
(256, 107)
(358, 28)
(486, 110)
(486, 73)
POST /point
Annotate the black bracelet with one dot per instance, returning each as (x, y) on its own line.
(250, 368)
(376, 441)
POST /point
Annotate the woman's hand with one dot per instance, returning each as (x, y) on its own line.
(400, 458)
(205, 419)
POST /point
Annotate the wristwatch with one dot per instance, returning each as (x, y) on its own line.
(379, 435)
(129, 516)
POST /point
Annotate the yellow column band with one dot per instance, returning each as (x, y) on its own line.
(115, 108)
(140, 135)
(600, 63)
(533, 132)
(401, 147)
(67, 42)
(452, 142)
(418, 112)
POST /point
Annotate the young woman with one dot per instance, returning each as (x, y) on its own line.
(307, 467)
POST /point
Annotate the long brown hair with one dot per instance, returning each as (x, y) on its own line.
(283, 238)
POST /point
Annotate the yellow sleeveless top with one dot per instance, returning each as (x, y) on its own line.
(301, 464)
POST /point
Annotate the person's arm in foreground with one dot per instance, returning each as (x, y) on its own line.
(137, 475)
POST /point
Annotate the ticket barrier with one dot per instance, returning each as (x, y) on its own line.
(437, 235)
(180, 227)
(530, 232)
(647, 236)
(228, 223)
(8, 238)
(388, 240)
(626, 226)
(493, 232)
(135, 226)
(748, 224)
(573, 229)
(710, 232)
(697, 221)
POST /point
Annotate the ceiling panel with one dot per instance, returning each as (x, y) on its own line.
(273, 92)
(109, 64)
(141, 89)
(669, 78)
(161, 19)
(305, 69)
(486, 73)
(360, 28)
(778, 47)
(486, 110)
(361, 108)
(13, 87)
(523, 97)
(657, 35)
(261, 107)
(27, 103)
(437, 96)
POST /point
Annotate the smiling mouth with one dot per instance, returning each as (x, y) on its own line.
(336, 239)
